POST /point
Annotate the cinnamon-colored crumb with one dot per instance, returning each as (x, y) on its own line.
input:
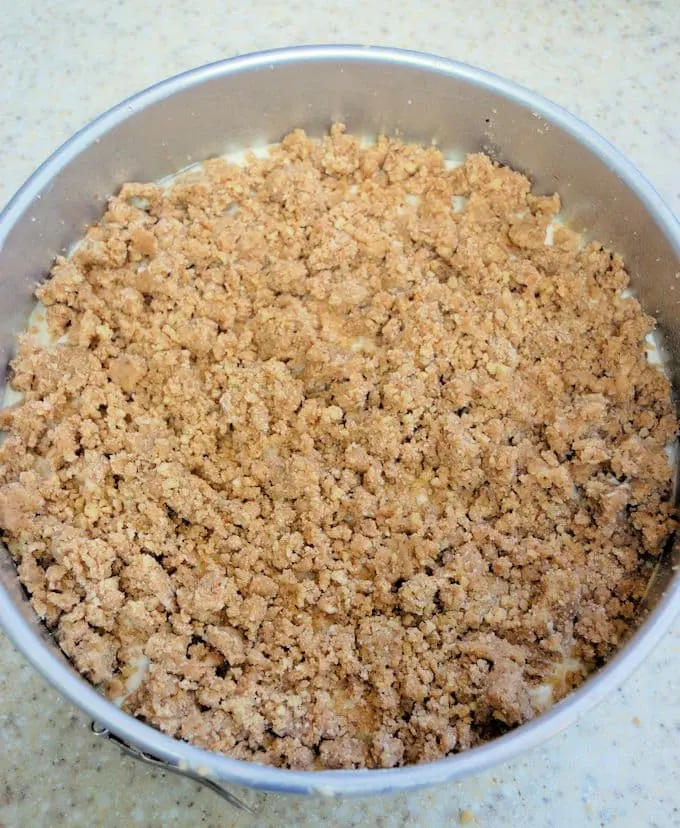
(353, 471)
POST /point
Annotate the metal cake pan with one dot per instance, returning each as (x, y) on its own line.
(258, 98)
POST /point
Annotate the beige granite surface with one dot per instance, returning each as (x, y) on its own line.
(617, 65)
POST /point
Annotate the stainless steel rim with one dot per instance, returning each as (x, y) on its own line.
(352, 782)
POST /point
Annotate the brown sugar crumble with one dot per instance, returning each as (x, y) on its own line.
(350, 472)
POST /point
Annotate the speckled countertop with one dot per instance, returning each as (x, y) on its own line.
(617, 65)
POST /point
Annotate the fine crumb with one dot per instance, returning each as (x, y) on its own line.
(466, 817)
(341, 450)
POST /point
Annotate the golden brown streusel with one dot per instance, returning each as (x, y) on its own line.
(353, 471)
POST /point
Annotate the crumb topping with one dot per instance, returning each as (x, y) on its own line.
(350, 470)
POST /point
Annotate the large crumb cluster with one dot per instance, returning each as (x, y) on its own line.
(354, 475)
